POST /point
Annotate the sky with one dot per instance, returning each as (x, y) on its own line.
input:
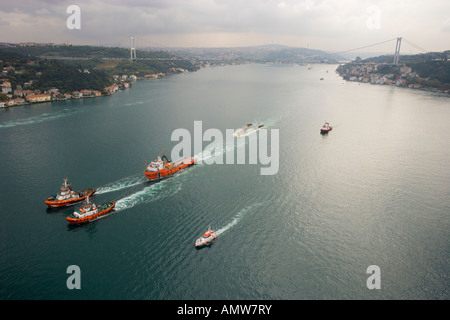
(331, 25)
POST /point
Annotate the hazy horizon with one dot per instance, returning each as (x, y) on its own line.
(331, 26)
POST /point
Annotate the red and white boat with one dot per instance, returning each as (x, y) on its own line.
(90, 212)
(163, 168)
(67, 196)
(326, 128)
(207, 238)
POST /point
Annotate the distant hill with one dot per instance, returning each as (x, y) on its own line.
(110, 60)
(427, 71)
(41, 74)
(263, 53)
(432, 66)
(91, 52)
(413, 58)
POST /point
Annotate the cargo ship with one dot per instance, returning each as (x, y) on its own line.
(67, 196)
(162, 167)
(90, 212)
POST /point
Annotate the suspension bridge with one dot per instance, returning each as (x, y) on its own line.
(396, 52)
(387, 47)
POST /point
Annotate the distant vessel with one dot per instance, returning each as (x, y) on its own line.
(207, 238)
(247, 130)
(326, 128)
(321, 78)
(163, 168)
(67, 196)
(89, 212)
(238, 132)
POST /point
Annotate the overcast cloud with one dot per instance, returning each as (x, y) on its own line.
(321, 24)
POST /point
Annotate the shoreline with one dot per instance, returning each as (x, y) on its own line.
(108, 91)
(405, 77)
(434, 90)
(119, 87)
(427, 89)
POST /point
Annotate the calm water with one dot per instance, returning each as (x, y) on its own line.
(374, 191)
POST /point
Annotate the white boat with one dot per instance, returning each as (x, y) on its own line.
(207, 238)
(242, 130)
(247, 131)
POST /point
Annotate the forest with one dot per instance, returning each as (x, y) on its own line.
(74, 68)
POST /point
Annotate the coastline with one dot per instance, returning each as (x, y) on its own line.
(425, 89)
(369, 73)
(82, 94)
(118, 86)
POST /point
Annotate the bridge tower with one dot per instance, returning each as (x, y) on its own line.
(132, 49)
(397, 50)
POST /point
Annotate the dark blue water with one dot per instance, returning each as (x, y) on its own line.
(374, 191)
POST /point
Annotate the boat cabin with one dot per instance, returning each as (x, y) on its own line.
(156, 165)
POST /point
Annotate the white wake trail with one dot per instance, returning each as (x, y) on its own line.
(238, 217)
(151, 193)
(40, 118)
(121, 184)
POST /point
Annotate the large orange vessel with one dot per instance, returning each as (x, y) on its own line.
(90, 212)
(67, 196)
(163, 168)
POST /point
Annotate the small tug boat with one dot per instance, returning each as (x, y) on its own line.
(89, 212)
(163, 168)
(207, 238)
(326, 128)
(67, 196)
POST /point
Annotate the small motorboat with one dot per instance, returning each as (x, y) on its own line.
(67, 196)
(326, 128)
(207, 238)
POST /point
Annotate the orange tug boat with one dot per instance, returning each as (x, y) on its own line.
(163, 168)
(90, 212)
(67, 196)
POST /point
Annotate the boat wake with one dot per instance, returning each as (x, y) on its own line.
(123, 183)
(41, 118)
(238, 217)
(217, 150)
(52, 116)
(151, 193)
(246, 133)
(250, 128)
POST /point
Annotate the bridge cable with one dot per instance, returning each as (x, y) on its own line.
(416, 46)
(372, 45)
